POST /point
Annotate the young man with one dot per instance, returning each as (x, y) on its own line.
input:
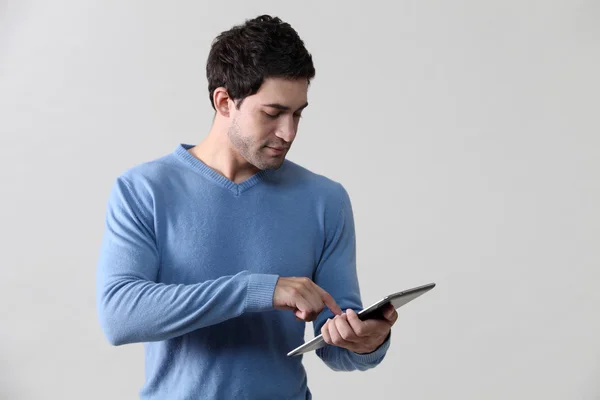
(216, 255)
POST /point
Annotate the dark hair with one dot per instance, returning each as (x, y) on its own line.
(242, 57)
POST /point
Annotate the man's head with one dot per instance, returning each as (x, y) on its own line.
(258, 77)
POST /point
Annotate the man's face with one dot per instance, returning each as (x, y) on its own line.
(265, 126)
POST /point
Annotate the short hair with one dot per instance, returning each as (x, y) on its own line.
(241, 58)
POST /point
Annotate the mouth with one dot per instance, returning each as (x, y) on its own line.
(276, 150)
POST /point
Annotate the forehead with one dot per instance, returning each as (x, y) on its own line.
(292, 93)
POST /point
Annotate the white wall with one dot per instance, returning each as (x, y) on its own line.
(466, 133)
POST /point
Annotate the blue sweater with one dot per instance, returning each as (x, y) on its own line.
(188, 266)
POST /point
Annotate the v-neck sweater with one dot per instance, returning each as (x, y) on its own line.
(188, 266)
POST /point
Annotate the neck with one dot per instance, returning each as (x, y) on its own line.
(217, 152)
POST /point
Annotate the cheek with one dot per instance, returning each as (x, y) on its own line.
(260, 131)
(250, 131)
(263, 134)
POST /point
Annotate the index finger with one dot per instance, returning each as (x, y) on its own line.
(329, 301)
(390, 314)
(366, 327)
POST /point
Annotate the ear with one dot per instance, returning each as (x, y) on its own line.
(223, 102)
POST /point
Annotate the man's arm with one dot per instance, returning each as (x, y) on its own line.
(336, 273)
(133, 307)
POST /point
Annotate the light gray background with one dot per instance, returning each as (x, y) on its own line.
(466, 133)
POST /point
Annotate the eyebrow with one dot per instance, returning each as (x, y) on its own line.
(284, 108)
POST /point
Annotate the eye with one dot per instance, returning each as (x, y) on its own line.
(277, 115)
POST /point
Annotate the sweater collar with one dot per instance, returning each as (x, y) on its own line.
(181, 152)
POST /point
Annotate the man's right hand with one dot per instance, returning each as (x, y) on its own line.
(303, 297)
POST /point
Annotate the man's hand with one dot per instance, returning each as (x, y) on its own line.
(303, 297)
(349, 332)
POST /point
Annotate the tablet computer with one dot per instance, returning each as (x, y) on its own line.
(375, 310)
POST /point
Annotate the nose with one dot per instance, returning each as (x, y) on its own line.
(287, 129)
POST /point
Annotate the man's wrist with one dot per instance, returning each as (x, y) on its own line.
(378, 346)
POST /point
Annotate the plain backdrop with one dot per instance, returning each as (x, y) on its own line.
(466, 133)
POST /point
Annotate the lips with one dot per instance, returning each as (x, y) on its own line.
(277, 151)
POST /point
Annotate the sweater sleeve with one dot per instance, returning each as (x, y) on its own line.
(132, 307)
(336, 273)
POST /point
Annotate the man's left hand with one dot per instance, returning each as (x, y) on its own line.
(348, 331)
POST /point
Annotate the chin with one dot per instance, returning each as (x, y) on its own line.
(271, 164)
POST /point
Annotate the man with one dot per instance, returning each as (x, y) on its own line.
(216, 255)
